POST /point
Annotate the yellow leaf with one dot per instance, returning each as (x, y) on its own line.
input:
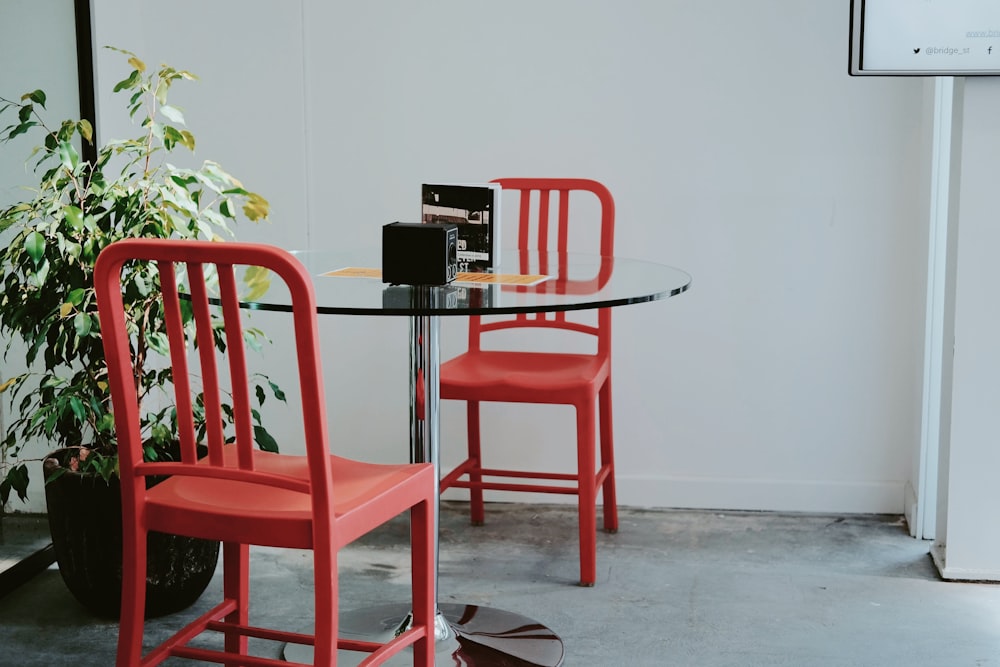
(6, 385)
(258, 282)
(86, 129)
(137, 64)
(256, 207)
(65, 309)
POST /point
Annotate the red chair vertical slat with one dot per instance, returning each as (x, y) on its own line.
(523, 226)
(238, 375)
(178, 362)
(563, 230)
(543, 221)
(205, 345)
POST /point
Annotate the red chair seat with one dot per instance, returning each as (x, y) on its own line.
(523, 377)
(226, 510)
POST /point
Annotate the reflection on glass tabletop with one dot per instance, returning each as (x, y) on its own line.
(527, 281)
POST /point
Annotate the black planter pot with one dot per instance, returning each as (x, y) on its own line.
(85, 521)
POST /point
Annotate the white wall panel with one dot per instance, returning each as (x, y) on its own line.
(967, 547)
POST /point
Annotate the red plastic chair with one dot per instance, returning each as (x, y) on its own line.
(238, 494)
(581, 380)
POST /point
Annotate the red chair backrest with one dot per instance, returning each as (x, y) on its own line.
(188, 262)
(557, 240)
(539, 230)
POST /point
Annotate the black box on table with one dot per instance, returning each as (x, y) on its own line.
(416, 253)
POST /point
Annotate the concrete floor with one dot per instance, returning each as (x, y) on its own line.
(684, 588)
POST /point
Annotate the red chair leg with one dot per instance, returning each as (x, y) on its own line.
(608, 459)
(133, 608)
(236, 586)
(424, 588)
(587, 493)
(476, 508)
(325, 612)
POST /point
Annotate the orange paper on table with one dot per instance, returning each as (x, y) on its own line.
(501, 278)
(355, 272)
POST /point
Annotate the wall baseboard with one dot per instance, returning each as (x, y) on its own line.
(737, 494)
(939, 554)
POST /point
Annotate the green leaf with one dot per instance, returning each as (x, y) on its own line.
(141, 284)
(82, 323)
(34, 245)
(162, 86)
(36, 96)
(264, 439)
(105, 466)
(74, 216)
(171, 137)
(16, 480)
(59, 472)
(158, 342)
(75, 297)
(21, 129)
(278, 394)
(132, 79)
(76, 405)
(41, 273)
(173, 114)
(212, 172)
(183, 181)
(106, 423)
(68, 155)
(52, 381)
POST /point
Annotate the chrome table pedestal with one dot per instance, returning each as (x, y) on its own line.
(465, 635)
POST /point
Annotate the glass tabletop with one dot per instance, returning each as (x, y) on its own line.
(561, 281)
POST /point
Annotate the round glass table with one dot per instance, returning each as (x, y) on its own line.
(528, 281)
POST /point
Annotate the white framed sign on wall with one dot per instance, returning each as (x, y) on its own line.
(925, 38)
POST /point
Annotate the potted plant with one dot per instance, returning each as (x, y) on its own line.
(48, 246)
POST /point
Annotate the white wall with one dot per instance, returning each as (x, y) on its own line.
(737, 148)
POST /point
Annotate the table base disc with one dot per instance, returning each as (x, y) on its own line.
(478, 637)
